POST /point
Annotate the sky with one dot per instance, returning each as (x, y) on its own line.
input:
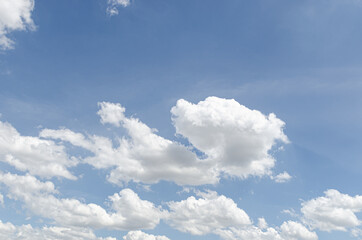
(174, 120)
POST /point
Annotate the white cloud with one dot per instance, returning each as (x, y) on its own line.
(128, 211)
(262, 224)
(206, 214)
(113, 5)
(15, 15)
(27, 232)
(295, 231)
(215, 214)
(143, 157)
(235, 140)
(37, 156)
(334, 211)
(251, 232)
(112, 113)
(282, 177)
(139, 235)
(356, 232)
(288, 231)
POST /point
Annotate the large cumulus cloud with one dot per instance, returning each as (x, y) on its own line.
(233, 141)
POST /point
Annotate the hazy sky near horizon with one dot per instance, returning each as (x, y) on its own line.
(159, 120)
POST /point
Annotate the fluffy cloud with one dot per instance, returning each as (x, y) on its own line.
(139, 235)
(233, 139)
(113, 5)
(282, 177)
(129, 212)
(37, 156)
(334, 211)
(220, 215)
(27, 232)
(236, 138)
(295, 231)
(251, 232)
(288, 231)
(206, 214)
(15, 15)
(112, 113)
(143, 157)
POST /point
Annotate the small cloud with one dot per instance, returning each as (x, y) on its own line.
(281, 177)
(290, 212)
(113, 5)
(186, 190)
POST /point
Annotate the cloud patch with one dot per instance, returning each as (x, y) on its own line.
(37, 156)
(287, 231)
(139, 235)
(334, 211)
(113, 6)
(233, 140)
(282, 177)
(15, 15)
(206, 214)
(128, 211)
(27, 232)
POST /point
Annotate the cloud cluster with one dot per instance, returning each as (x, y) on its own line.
(27, 232)
(212, 213)
(235, 138)
(139, 235)
(287, 231)
(234, 141)
(225, 139)
(334, 211)
(113, 5)
(206, 214)
(37, 156)
(15, 15)
(128, 211)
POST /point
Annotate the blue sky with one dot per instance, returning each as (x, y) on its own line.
(84, 85)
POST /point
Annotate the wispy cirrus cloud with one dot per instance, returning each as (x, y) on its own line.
(113, 5)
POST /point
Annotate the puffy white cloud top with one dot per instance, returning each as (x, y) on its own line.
(287, 231)
(206, 214)
(139, 235)
(334, 211)
(129, 212)
(27, 232)
(15, 15)
(233, 139)
(37, 156)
